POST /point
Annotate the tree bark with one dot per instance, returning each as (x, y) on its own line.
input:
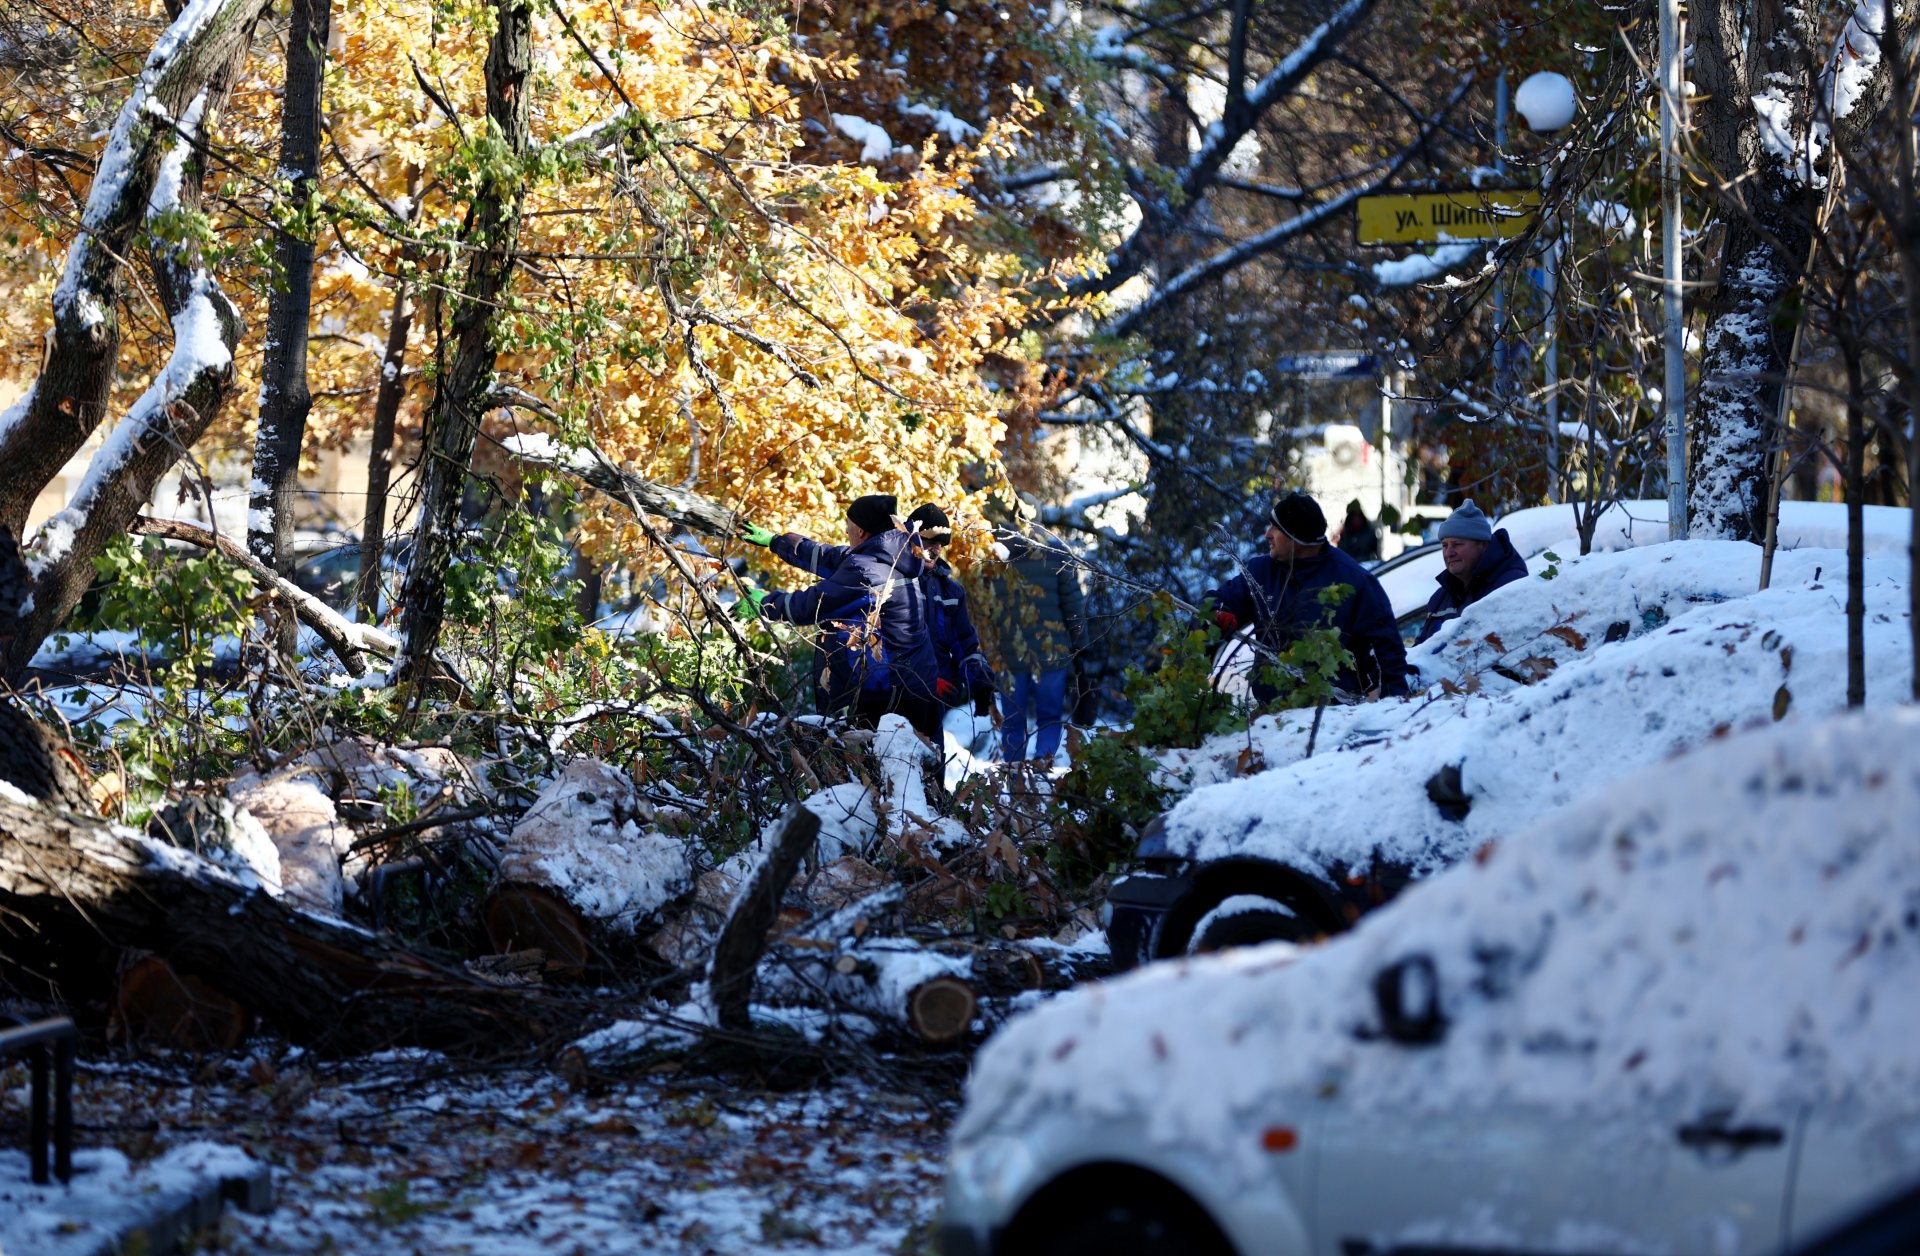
(453, 426)
(386, 410)
(155, 145)
(284, 397)
(1771, 204)
(743, 939)
(75, 890)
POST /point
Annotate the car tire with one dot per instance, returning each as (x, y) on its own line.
(1145, 1227)
(1246, 920)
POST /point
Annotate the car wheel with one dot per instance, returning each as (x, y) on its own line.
(1146, 1227)
(1247, 920)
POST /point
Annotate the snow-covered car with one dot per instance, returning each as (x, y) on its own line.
(1552, 685)
(1676, 1015)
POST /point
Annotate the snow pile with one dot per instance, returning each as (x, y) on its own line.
(903, 757)
(1623, 525)
(583, 838)
(106, 1196)
(1534, 704)
(875, 144)
(1740, 929)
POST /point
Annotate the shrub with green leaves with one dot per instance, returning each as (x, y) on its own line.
(1176, 704)
(1305, 669)
(188, 725)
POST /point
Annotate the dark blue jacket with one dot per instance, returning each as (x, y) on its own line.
(870, 614)
(1282, 600)
(1500, 564)
(956, 643)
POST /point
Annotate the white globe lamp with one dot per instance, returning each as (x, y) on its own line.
(1546, 101)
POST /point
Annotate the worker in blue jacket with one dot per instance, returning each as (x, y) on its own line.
(1279, 593)
(872, 651)
(1478, 561)
(965, 674)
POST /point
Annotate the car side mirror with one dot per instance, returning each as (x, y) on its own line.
(1407, 993)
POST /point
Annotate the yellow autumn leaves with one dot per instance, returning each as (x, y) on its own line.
(701, 294)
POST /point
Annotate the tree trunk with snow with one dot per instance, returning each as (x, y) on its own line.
(453, 426)
(150, 168)
(1776, 104)
(284, 396)
(584, 868)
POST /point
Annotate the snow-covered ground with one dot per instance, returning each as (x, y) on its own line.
(1546, 689)
(380, 1156)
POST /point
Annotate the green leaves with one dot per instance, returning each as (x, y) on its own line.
(1304, 671)
(1176, 704)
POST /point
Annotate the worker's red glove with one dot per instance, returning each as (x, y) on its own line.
(942, 687)
(1228, 621)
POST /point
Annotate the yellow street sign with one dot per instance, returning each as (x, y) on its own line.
(1433, 217)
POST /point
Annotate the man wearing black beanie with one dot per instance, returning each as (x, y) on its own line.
(872, 652)
(1279, 594)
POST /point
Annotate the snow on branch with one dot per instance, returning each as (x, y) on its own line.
(1233, 256)
(1217, 145)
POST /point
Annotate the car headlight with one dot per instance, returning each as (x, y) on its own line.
(991, 1171)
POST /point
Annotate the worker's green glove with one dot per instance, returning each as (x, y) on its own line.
(747, 608)
(754, 534)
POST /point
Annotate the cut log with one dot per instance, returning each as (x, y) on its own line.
(579, 866)
(941, 1011)
(730, 975)
(155, 1006)
(69, 882)
(1008, 970)
(520, 917)
(891, 980)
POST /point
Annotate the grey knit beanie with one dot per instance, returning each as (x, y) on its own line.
(1467, 524)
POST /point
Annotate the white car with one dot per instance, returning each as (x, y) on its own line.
(1543, 691)
(1678, 1016)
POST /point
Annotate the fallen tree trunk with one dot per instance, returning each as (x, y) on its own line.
(894, 980)
(74, 891)
(743, 939)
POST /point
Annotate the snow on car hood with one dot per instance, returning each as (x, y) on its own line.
(1742, 924)
(1697, 652)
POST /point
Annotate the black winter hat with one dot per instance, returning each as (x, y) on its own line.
(933, 521)
(1301, 518)
(874, 513)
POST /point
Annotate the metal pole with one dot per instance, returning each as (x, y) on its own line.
(1673, 393)
(1499, 293)
(1550, 285)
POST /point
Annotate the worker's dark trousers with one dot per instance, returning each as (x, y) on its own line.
(923, 713)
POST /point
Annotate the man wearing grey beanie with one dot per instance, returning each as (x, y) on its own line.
(1478, 561)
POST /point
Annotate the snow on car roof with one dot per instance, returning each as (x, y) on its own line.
(1624, 525)
(1737, 929)
(1535, 705)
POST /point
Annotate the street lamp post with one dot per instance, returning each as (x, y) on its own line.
(1546, 101)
